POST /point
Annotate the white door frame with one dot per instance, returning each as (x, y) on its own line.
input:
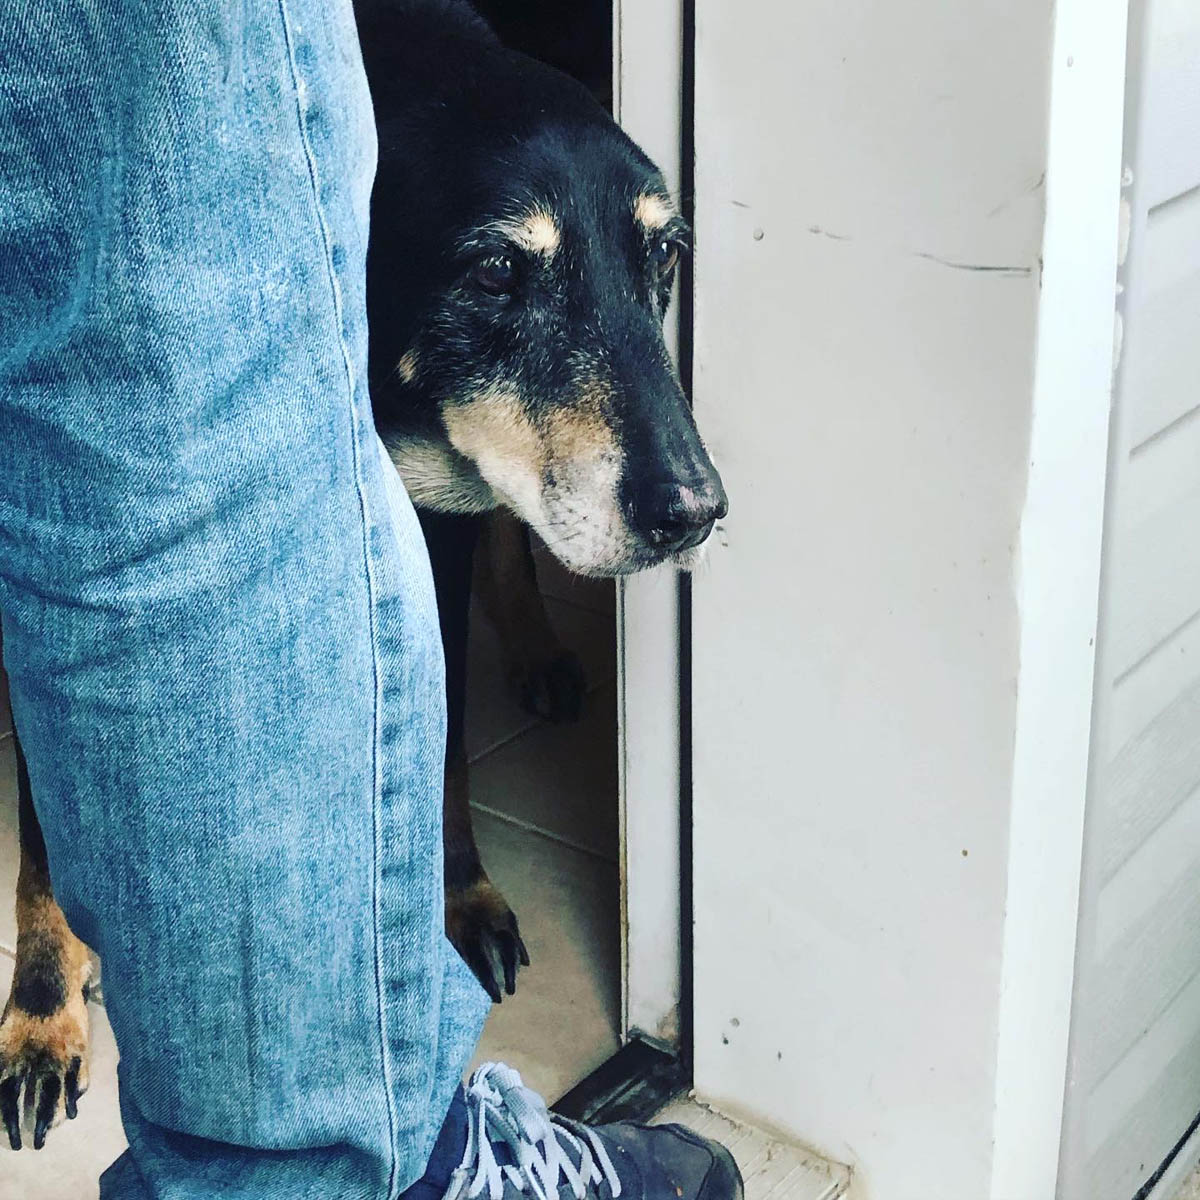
(647, 90)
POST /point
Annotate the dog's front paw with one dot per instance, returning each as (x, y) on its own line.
(552, 687)
(43, 1059)
(483, 929)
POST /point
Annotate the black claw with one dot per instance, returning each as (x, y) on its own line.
(71, 1089)
(514, 929)
(512, 953)
(10, 1109)
(508, 956)
(47, 1106)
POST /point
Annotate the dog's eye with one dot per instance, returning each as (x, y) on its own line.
(497, 276)
(664, 256)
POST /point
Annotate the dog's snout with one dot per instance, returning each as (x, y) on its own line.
(674, 517)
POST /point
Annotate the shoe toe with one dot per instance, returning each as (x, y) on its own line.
(673, 1163)
(723, 1180)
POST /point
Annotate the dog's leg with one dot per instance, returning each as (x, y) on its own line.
(44, 1031)
(479, 922)
(545, 676)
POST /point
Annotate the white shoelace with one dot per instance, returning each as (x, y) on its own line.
(544, 1150)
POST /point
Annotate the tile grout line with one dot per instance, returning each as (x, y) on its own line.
(507, 740)
(529, 827)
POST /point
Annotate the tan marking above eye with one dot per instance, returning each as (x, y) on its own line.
(535, 231)
(653, 211)
(406, 368)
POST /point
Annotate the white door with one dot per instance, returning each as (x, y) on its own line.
(1134, 1090)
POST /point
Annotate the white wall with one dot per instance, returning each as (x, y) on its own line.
(892, 641)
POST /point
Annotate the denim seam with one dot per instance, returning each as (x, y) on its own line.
(365, 513)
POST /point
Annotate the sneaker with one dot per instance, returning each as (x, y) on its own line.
(515, 1147)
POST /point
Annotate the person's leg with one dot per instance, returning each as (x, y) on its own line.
(218, 621)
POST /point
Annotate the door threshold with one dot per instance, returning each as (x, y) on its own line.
(641, 1082)
(637, 1082)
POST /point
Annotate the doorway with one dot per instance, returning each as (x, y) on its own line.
(545, 794)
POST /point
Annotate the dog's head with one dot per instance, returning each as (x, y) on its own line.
(523, 260)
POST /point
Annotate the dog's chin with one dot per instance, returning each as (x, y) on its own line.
(620, 555)
(693, 558)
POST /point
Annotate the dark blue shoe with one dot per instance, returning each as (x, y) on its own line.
(515, 1147)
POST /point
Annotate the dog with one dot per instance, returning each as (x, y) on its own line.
(523, 251)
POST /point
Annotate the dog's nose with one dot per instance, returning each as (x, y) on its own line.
(674, 517)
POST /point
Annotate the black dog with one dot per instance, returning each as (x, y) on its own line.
(522, 254)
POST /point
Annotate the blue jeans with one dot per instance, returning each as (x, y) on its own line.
(218, 619)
